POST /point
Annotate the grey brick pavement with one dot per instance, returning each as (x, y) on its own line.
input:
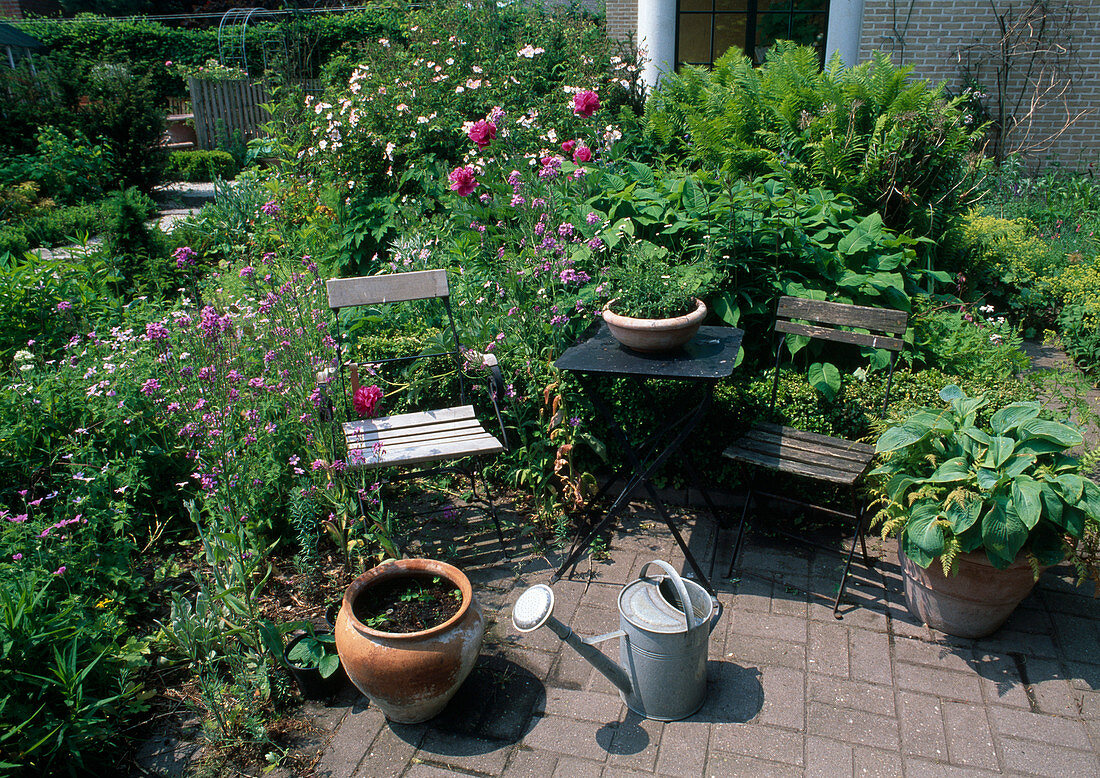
(791, 690)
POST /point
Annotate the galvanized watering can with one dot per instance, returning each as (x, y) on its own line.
(664, 625)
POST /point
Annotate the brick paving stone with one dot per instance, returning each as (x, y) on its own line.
(933, 655)
(388, 755)
(922, 732)
(623, 771)
(590, 706)
(433, 771)
(463, 753)
(852, 694)
(869, 653)
(770, 627)
(571, 671)
(765, 651)
(529, 763)
(1081, 676)
(356, 731)
(828, 649)
(943, 683)
(1027, 756)
(634, 742)
(568, 767)
(1026, 643)
(999, 677)
(920, 768)
(1030, 617)
(875, 763)
(852, 726)
(1052, 692)
(1079, 638)
(784, 698)
(827, 758)
(969, 739)
(1025, 725)
(683, 749)
(734, 693)
(538, 663)
(759, 741)
(566, 736)
(722, 765)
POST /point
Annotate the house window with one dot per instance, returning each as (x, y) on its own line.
(707, 28)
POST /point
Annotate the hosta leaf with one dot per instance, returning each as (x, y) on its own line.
(825, 378)
(1038, 446)
(1000, 449)
(951, 392)
(1026, 498)
(1009, 417)
(727, 309)
(977, 435)
(1073, 521)
(1090, 499)
(1052, 501)
(900, 436)
(1054, 431)
(1017, 465)
(957, 469)
(923, 530)
(1045, 542)
(962, 517)
(987, 479)
(1071, 486)
(1003, 534)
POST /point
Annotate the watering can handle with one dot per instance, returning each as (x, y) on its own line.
(681, 590)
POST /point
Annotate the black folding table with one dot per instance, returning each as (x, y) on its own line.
(709, 357)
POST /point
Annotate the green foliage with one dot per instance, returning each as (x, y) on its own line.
(947, 485)
(967, 343)
(648, 284)
(897, 147)
(200, 166)
(65, 169)
(138, 252)
(316, 650)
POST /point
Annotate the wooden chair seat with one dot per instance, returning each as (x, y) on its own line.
(807, 454)
(418, 438)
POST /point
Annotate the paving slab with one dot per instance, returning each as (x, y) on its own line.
(791, 690)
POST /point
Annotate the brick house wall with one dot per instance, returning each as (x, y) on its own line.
(9, 9)
(938, 39)
(622, 18)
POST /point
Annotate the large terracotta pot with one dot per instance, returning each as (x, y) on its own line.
(972, 604)
(655, 335)
(410, 677)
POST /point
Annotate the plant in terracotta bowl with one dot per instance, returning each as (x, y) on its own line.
(657, 301)
(979, 511)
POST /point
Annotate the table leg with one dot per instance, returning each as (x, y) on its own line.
(641, 475)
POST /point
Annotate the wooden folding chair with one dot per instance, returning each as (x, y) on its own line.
(419, 443)
(807, 454)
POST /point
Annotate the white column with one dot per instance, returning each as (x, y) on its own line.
(657, 38)
(845, 30)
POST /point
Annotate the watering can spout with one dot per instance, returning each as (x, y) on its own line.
(534, 609)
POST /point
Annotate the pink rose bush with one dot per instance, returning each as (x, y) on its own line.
(463, 180)
(586, 103)
(482, 133)
(365, 400)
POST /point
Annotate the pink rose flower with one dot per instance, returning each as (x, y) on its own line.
(482, 133)
(586, 103)
(582, 154)
(463, 180)
(366, 400)
(568, 146)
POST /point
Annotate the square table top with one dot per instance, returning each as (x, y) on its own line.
(710, 355)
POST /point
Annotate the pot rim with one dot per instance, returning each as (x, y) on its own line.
(698, 314)
(401, 568)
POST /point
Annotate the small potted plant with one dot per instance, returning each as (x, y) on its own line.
(657, 304)
(409, 632)
(312, 659)
(992, 506)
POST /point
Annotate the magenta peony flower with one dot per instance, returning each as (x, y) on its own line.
(366, 399)
(482, 133)
(568, 146)
(463, 180)
(582, 154)
(586, 103)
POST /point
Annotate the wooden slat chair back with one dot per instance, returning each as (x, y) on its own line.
(807, 454)
(423, 438)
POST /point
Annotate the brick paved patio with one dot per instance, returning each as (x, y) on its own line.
(792, 691)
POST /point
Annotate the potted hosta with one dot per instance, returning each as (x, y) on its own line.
(657, 302)
(409, 632)
(315, 664)
(979, 511)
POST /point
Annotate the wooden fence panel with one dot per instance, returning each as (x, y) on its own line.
(223, 108)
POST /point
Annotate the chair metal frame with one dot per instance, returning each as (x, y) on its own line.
(416, 429)
(818, 457)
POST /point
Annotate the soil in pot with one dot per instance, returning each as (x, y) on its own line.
(408, 604)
